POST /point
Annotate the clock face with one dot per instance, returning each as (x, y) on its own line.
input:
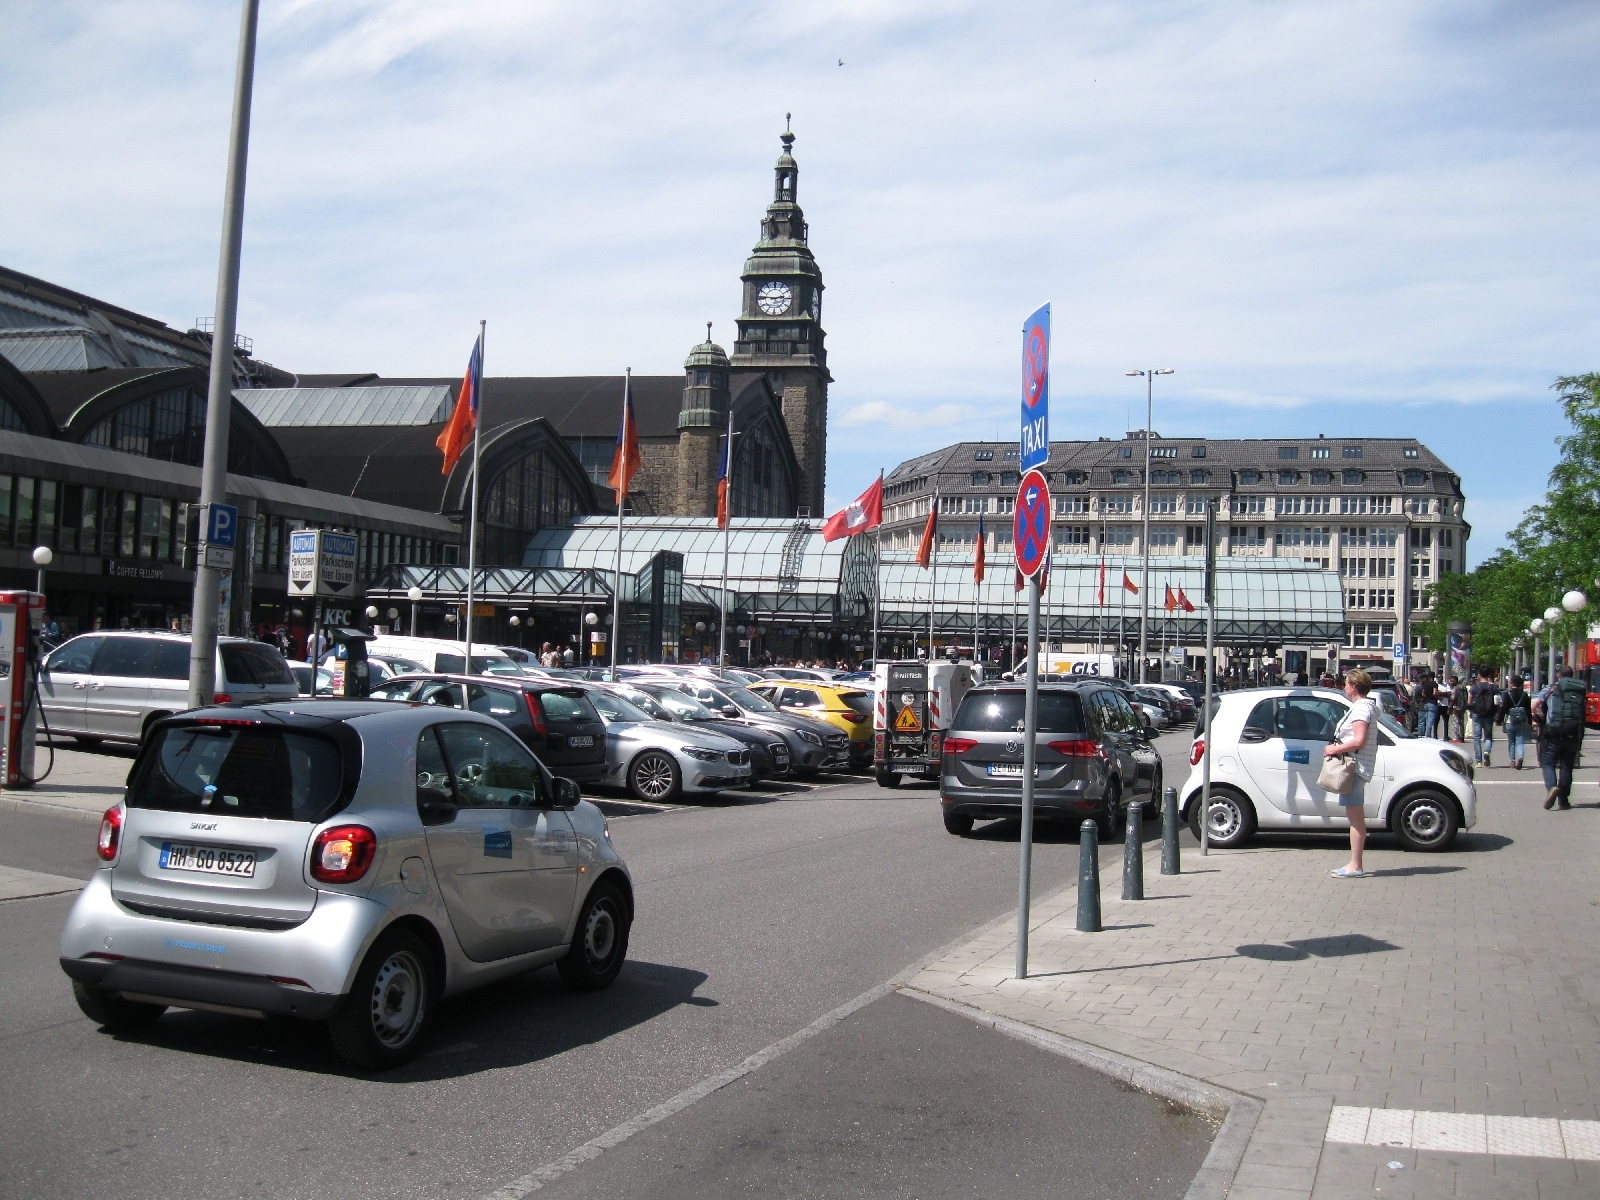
(774, 298)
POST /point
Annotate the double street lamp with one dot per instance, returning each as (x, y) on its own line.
(1144, 583)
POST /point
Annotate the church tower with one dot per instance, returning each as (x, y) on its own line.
(780, 326)
(702, 424)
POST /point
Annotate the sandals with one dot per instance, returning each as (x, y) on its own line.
(1347, 873)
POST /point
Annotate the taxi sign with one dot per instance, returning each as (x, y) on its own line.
(1031, 536)
(1035, 437)
(907, 721)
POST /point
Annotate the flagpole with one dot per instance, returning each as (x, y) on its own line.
(877, 568)
(1122, 612)
(472, 519)
(727, 465)
(977, 591)
(933, 568)
(622, 478)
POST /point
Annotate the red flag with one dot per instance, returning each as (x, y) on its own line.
(722, 484)
(1127, 584)
(1100, 596)
(1021, 582)
(861, 514)
(1172, 601)
(929, 531)
(978, 563)
(1183, 602)
(456, 435)
(625, 458)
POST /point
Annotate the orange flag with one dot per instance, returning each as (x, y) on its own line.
(929, 532)
(456, 436)
(1172, 601)
(1128, 584)
(979, 562)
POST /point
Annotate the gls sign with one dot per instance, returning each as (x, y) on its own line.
(1035, 440)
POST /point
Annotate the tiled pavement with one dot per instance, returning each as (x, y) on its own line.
(1465, 982)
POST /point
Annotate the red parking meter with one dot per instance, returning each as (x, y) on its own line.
(21, 619)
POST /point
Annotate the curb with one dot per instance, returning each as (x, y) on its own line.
(81, 815)
(1237, 1112)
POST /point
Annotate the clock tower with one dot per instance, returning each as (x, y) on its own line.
(780, 326)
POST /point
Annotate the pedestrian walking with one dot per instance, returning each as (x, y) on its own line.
(567, 656)
(1562, 707)
(1460, 701)
(1485, 700)
(1352, 738)
(1428, 694)
(1518, 720)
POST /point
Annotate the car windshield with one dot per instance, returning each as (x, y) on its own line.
(405, 666)
(1002, 712)
(685, 707)
(1393, 727)
(614, 708)
(747, 700)
(399, 689)
(238, 771)
(650, 704)
(487, 664)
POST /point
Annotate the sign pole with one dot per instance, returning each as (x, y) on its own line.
(1211, 674)
(1030, 737)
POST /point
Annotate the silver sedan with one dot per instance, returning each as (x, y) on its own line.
(658, 761)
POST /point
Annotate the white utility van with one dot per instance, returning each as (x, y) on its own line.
(444, 657)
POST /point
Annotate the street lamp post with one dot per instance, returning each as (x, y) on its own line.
(1144, 584)
(414, 594)
(43, 556)
(1551, 616)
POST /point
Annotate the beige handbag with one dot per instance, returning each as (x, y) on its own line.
(1338, 774)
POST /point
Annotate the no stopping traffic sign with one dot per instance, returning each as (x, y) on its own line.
(1032, 532)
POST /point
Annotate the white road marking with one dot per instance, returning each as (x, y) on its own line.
(1465, 1133)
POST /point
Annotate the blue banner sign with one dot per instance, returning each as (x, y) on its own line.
(1036, 389)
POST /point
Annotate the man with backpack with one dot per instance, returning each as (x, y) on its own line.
(1460, 698)
(1484, 699)
(1518, 720)
(1428, 697)
(1563, 710)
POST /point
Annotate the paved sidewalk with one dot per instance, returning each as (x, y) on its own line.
(1459, 983)
(82, 784)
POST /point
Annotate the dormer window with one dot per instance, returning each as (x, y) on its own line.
(1321, 477)
(1119, 476)
(1415, 478)
(1124, 451)
(983, 455)
(980, 479)
(1288, 476)
(1197, 451)
(1249, 478)
(1410, 452)
(1288, 451)
(1201, 476)
(1352, 476)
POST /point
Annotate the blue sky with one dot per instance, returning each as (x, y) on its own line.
(1342, 217)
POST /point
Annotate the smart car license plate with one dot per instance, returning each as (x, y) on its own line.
(1010, 769)
(208, 860)
(581, 743)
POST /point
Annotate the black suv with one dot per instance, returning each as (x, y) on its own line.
(554, 719)
(1091, 757)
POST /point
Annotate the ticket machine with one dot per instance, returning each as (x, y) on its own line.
(21, 619)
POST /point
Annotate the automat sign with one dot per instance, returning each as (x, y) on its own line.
(321, 563)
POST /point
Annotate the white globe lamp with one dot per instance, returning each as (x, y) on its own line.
(1552, 614)
(1574, 601)
(1536, 626)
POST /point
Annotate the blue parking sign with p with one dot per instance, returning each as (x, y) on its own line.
(1035, 440)
(222, 525)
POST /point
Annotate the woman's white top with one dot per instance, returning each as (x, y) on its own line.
(1365, 709)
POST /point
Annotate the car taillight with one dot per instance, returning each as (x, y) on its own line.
(854, 718)
(1197, 751)
(955, 745)
(877, 746)
(110, 839)
(342, 854)
(536, 712)
(221, 698)
(1077, 748)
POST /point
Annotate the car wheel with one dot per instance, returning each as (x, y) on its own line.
(1425, 821)
(112, 1011)
(887, 779)
(1154, 805)
(1233, 819)
(1111, 820)
(599, 944)
(381, 1022)
(654, 777)
(959, 824)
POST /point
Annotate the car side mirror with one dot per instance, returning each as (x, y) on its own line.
(435, 807)
(567, 794)
(1253, 734)
(729, 710)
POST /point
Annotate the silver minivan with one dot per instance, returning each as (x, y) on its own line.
(109, 685)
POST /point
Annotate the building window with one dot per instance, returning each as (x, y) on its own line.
(1009, 479)
(1197, 451)
(1194, 506)
(1014, 452)
(1303, 536)
(1117, 536)
(981, 479)
(1249, 506)
(1249, 478)
(1116, 504)
(1163, 504)
(1421, 539)
(1124, 451)
(1355, 476)
(1066, 505)
(1247, 537)
(1288, 451)
(1319, 452)
(1370, 636)
(1163, 537)
(1194, 539)
(1362, 505)
(1288, 477)
(1352, 451)
(1294, 506)
(1075, 478)
(1415, 478)
(1164, 452)
(983, 455)
(1073, 538)
(1200, 477)
(1419, 506)
(1120, 476)
(1410, 452)
(1321, 477)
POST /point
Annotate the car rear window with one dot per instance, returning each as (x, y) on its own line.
(568, 706)
(249, 662)
(859, 702)
(487, 664)
(250, 771)
(1002, 712)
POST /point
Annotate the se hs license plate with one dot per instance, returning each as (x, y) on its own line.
(208, 860)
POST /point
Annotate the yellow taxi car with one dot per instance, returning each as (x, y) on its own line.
(846, 708)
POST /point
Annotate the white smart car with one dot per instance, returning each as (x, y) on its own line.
(1267, 754)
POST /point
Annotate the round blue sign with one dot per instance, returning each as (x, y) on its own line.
(1032, 533)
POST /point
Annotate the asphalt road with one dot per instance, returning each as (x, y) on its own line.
(757, 915)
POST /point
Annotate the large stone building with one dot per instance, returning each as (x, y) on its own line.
(1385, 513)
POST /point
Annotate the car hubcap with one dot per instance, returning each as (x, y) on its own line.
(654, 776)
(1425, 822)
(600, 937)
(397, 999)
(1224, 819)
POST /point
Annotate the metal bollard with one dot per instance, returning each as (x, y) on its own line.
(1088, 878)
(1170, 864)
(1133, 854)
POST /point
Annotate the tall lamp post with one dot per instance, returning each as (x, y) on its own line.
(414, 594)
(1144, 584)
(1551, 616)
(43, 556)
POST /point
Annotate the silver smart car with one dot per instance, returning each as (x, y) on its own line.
(345, 861)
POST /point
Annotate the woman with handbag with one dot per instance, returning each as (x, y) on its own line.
(1349, 762)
